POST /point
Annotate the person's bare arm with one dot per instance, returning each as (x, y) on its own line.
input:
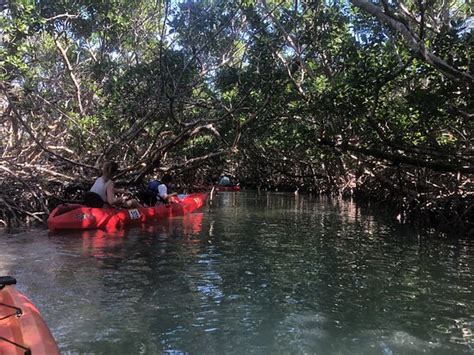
(111, 199)
(122, 191)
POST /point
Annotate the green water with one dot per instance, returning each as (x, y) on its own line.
(256, 274)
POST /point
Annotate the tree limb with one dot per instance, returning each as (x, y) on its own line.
(413, 41)
(71, 75)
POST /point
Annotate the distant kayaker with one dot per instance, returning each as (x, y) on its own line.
(224, 180)
(162, 195)
(104, 189)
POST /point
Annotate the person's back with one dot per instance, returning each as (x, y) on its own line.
(103, 189)
(100, 188)
(98, 194)
(150, 194)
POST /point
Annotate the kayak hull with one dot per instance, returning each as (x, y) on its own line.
(26, 330)
(79, 217)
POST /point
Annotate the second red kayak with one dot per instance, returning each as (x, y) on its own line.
(80, 217)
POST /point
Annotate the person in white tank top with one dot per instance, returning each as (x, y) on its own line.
(100, 188)
(104, 187)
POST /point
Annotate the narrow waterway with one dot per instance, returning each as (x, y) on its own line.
(254, 274)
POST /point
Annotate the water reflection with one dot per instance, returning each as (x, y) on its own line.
(269, 273)
(102, 244)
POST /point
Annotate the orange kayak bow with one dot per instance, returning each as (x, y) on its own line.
(22, 329)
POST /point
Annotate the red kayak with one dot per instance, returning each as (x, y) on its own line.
(22, 329)
(228, 188)
(80, 217)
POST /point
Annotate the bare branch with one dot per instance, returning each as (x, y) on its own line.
(62, 16)
(71, 75)
(413, 41)
(37, 141)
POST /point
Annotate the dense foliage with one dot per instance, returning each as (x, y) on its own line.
(367, 98)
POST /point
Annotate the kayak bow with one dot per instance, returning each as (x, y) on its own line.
(22, 329)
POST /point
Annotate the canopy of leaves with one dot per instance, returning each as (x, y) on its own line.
(374, 97)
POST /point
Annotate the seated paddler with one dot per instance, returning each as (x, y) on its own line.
(103, 192)
(161, 190)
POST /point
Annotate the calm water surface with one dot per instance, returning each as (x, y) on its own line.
(256, 274)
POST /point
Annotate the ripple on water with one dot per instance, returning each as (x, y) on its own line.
(262, 274)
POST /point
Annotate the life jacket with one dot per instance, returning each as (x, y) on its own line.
(153, 188)
(153, 185)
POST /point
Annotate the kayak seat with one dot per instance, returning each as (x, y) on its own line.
(61, 209)
(6, 280)
(91, 199)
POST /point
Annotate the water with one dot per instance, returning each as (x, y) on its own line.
(268, 274)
